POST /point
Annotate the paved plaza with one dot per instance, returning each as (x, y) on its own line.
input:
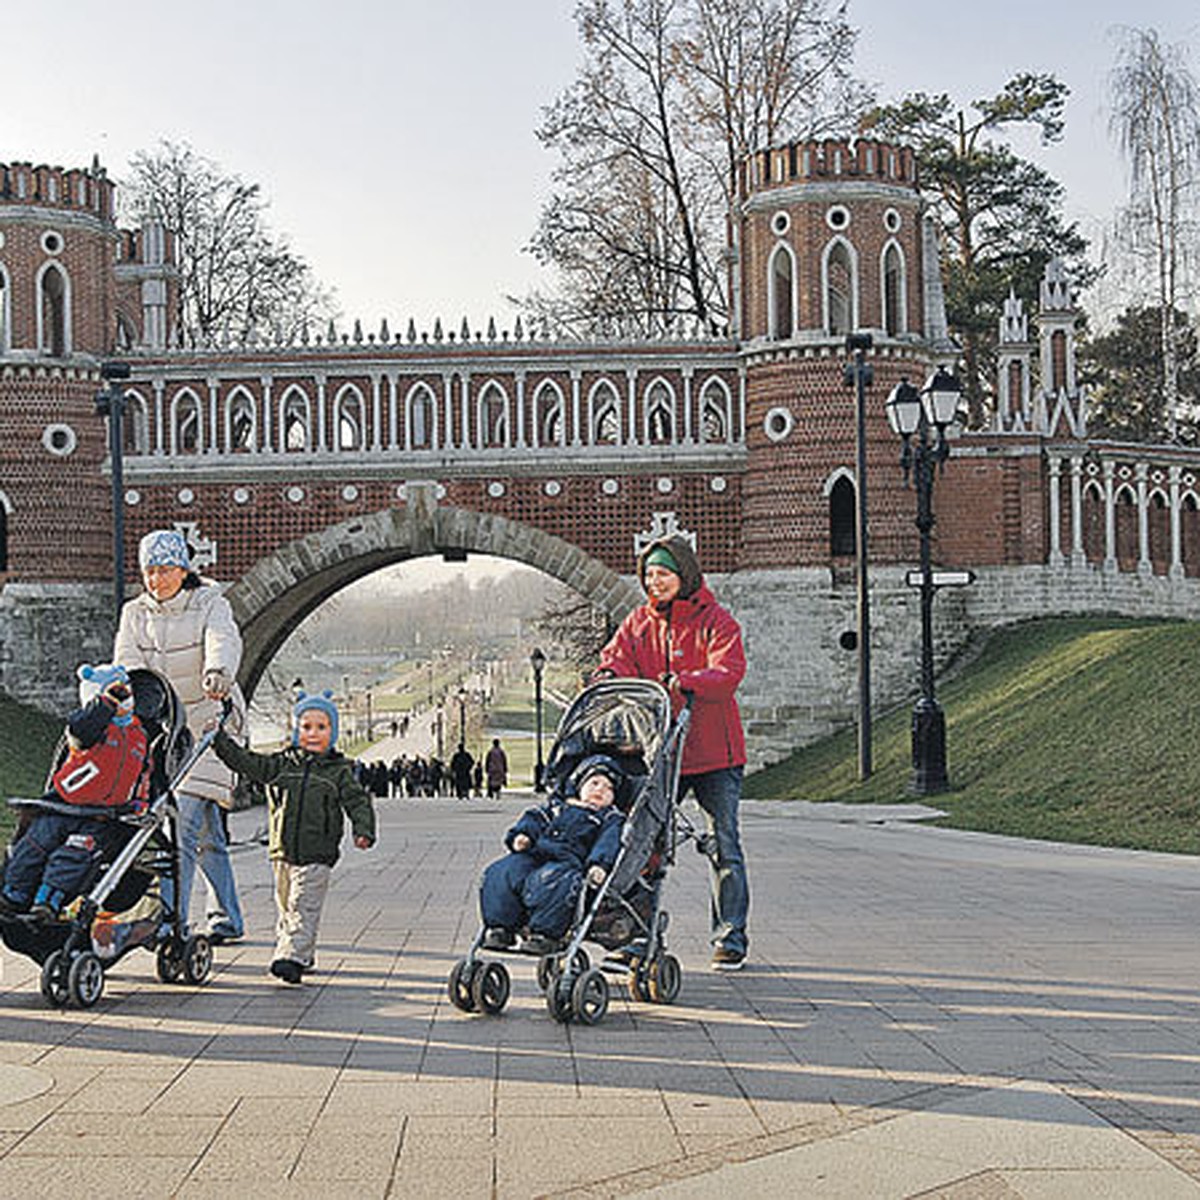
(925, 1013)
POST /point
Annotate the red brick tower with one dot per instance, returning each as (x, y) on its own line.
(832, 241)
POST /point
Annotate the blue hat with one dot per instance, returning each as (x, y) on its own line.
(324, 703)
(163, 548)
(598, 764)
(93, 681)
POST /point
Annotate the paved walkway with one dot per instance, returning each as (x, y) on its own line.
(927, 1013)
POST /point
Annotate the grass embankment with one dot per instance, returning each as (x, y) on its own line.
(27, 741)
(1073, 730)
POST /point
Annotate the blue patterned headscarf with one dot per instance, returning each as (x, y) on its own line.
(163, 548)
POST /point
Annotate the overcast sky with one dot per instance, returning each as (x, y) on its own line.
(394, 138)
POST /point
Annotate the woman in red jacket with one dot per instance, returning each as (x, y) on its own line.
(683, 638)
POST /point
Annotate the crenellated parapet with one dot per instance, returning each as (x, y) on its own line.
(830, 159)
(78, 190)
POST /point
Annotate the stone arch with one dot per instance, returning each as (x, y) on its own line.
(284, 586)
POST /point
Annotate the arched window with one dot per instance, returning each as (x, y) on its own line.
(187, 423)
(349, 418)
(1158, 527)
(715, 412)
(840, 288)
(294, 421)
(242, 420)
(894, 291)
(605, 408)
(493, 416)
(135, 429)
(843, 526)
(420, 409)
(660, 414)
(1093, 522)
(5, 509)
(781, 290)
(1127, 528)
(1189, 534)
(5, 318)
(53, 311)
(549, 427)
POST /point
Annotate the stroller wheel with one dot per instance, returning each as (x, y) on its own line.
(559, 987)
(491, 988)
(197, 959)
(54, 979)
(85, 979)
(167, 963)
(664, 978)
(589, 997)
(459, 985)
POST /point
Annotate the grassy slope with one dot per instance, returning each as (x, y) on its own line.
(27, 740)
(1069, 730)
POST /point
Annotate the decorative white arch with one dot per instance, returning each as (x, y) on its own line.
(549, 415)
(136, 428)
(44, 335)
(241, 420)
(491, 416)
(349, 419)
(186, 408)
(5, 310)
(784, 251)
(658, 413)
(420, 418)
(716, 411)
(835, 245)
(295, 417)
(604, 414)
(894, 250)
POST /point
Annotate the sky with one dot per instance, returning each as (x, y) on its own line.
(395, 139)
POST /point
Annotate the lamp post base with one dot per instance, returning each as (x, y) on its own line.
(928, 748)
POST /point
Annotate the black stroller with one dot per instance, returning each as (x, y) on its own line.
(122, 906)
(630, 721)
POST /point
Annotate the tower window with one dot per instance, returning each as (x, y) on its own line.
(893, 291)
(839, 291)
(843, 532)
(781, 289)
(53, 312)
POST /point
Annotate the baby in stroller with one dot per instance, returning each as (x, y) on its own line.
(105, 767)
(536, 885)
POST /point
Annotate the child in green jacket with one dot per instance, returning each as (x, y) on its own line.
(309, 787)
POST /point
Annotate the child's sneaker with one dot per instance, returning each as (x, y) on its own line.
(286, 969)
(499, 938)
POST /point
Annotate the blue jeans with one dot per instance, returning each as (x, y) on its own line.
(718, 794)
(202, 842)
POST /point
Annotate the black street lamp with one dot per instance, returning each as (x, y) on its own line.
(537, 660)
(860, 375)
(915, 412)
(110, 403)
(462, 716)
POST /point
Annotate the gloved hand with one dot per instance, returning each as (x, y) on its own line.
(216, 684)
(596, 875)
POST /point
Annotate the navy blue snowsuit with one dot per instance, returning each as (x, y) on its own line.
(539, 887)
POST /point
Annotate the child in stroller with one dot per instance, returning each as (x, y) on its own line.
(551, 848)
(94, 897)
(626, 723)
(105, 766)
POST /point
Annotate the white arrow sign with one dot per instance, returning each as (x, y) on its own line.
(941, 578)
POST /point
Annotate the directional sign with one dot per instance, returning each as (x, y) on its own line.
(941, 578)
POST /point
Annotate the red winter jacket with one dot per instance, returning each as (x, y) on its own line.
(699, 643)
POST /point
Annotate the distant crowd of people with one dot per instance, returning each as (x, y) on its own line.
(466, 775)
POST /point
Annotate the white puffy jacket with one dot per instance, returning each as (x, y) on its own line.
(184, 638)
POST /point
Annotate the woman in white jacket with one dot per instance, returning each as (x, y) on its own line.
(182, 627)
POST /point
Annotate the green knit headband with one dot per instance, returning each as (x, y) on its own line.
(660, 556)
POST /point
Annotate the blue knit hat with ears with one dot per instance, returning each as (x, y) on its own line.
(94, 680)
(323, 703)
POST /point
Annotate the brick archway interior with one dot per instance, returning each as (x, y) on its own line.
(284, 586)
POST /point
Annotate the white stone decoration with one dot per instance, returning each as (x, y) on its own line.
(241, 495)
(133, 497)
(202, 551)
(440, 491)
(778, 423)
(610, 487)
(781, 222)
(1, 241)
(349, 493)
(185, 496)
(837, 217)
(662, 524)
(892, 221)
(295, 494)
(552, 487)
(496, 489)
(52, 241)
(717, 484)
(59, 439)
(665, 486)
(402, 491)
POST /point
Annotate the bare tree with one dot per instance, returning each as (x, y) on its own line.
(671, 96)
(1156, 119)
(236, 277)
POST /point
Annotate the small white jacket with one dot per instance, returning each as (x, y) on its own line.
(184, 638)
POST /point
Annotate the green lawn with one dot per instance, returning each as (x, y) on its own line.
(27, 740)
(1079, 730)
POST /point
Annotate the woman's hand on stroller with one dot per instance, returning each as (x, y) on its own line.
(216, 684)
(596, 874)
(363, 842)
